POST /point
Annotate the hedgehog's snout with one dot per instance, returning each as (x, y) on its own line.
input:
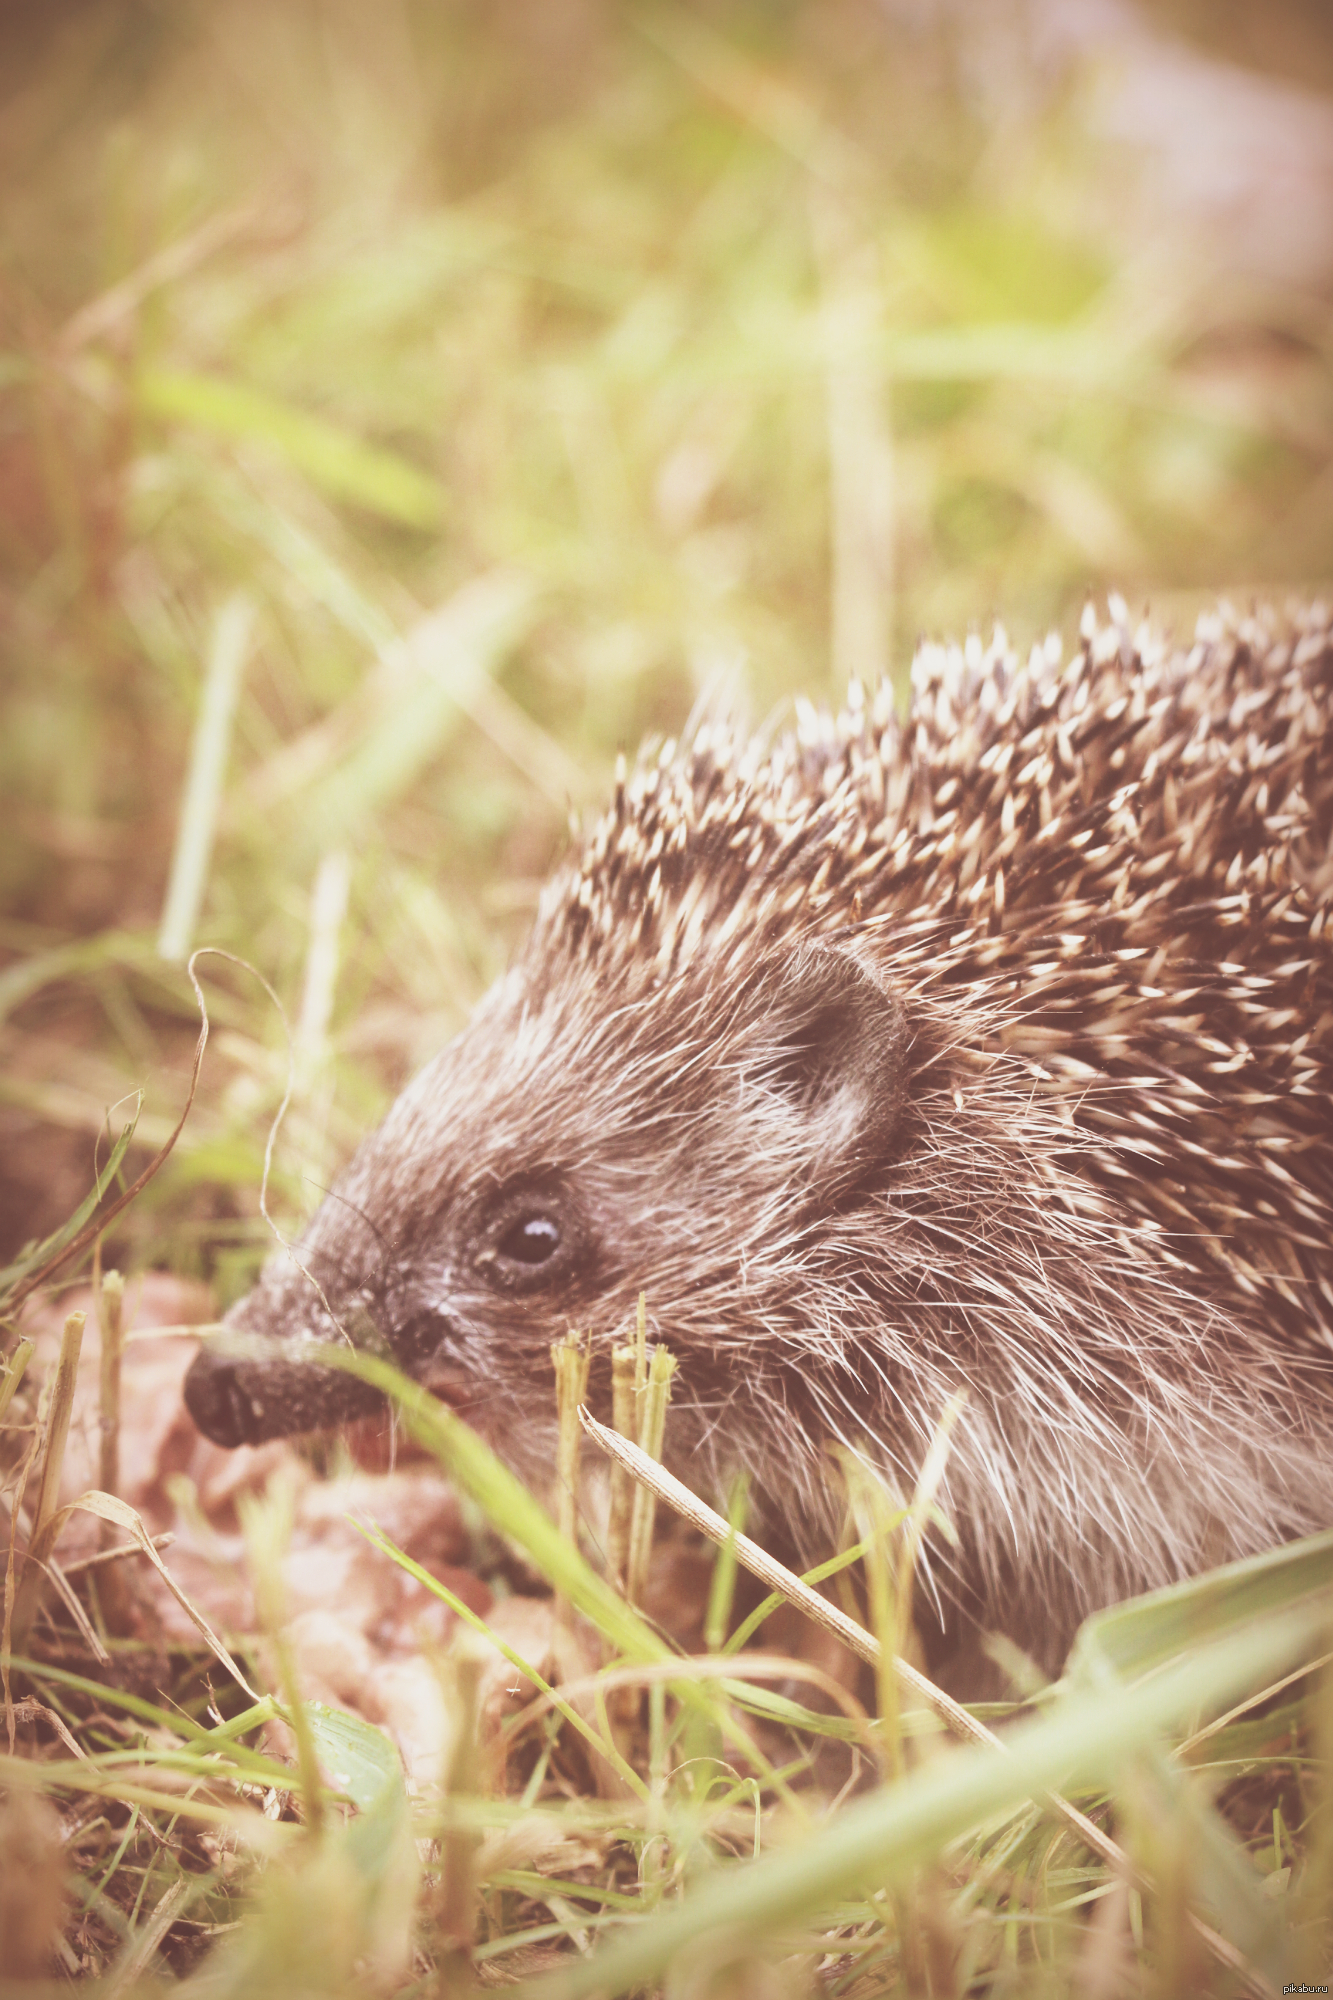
(236, 1400)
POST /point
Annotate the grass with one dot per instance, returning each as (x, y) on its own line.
(703, 1865)
(402, 412)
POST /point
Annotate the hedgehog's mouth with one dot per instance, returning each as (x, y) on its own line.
(424, 1346)
(448, 1384)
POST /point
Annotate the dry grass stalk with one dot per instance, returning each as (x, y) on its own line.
(570, 1358)
(652, 1432)
(622, 1484)
(141, 1949)
(13, 1375)
(46, 1521)
(110, 1319)
(113, 1588)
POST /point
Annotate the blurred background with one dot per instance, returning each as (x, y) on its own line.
(404, 408)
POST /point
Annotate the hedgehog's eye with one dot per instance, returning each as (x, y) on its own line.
(531, 1240)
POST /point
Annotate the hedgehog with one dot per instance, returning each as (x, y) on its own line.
(985, 1050)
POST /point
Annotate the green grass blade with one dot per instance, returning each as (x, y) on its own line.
(37, 1254)
(207, 773)
(1131, 1639)
(331, 458)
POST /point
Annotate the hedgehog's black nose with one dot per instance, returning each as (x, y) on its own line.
(237, 1401)
(216, 1397)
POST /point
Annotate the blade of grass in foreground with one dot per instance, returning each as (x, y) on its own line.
(1133, 1638)
(886, 1835)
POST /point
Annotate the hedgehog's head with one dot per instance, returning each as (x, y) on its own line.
(589, 1136)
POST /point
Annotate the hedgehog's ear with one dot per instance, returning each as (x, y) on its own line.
(832, 1045)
